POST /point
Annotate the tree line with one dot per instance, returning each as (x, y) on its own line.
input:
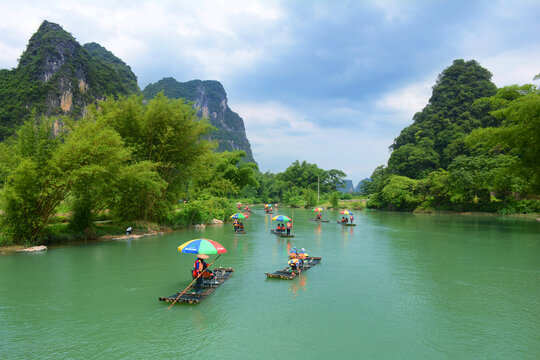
(130, 160)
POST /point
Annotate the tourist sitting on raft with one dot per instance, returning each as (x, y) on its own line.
(319, 216)
(295, 264)
(293, 254)
(241, 226)
(201, 267)
(302, 256)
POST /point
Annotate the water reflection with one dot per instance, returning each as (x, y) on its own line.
(298, 284)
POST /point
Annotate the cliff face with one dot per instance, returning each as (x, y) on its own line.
(58, 76)
(210, 99)
(347, 187)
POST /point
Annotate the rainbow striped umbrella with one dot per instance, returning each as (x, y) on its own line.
(281, 218)
(318, 209)
(239, 216)
(346, 212)
(202, 246)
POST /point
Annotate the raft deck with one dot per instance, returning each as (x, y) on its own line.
(287, 274)
(317, 220)
(281, 234)
(240, 232)
(191, 296)
(345, 224)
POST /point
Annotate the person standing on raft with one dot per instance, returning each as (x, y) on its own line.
(289, 227)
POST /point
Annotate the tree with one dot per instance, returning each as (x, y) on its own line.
(223, 174)
(165, 132)
(414, 160)
(334, 199)
(401, 193)
(32, 189)
(310, 196)
(519, 136)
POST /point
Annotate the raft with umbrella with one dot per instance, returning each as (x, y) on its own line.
(193, 294)
(318, 209)
(288, 274)
(346, 212)
(281, 233)
(239, 216)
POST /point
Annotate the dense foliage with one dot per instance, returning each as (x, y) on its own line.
(297, 185)
(132, 157)
(473, 147)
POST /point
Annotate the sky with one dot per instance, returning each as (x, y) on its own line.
(329, 82)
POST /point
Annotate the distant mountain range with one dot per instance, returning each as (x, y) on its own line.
(58, 76)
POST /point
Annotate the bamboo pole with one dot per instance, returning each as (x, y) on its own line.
(182, 293)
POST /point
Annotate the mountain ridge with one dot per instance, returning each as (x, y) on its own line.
(57, 76)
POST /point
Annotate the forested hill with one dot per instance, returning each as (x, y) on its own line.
(58, 76)
(210, 99)
(436, 135)
(473, 147)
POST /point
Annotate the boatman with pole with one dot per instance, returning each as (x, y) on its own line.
(289, 227)
(201, 267)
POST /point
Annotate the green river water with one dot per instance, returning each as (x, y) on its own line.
(396, 286)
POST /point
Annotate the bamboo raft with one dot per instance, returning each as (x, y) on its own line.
(345, 224)
(281, 234)
(287, 274)
(321, 221)
(240, 232)
(191, 296)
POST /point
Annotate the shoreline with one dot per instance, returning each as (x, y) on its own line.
(17, 248)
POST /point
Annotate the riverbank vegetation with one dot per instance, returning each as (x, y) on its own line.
(472, 148)
(131, 162)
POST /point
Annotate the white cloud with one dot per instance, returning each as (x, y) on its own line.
(217, 38)
(402, 104)
(280, 135)
(517, 66)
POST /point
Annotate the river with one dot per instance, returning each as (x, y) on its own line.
(396, 286)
